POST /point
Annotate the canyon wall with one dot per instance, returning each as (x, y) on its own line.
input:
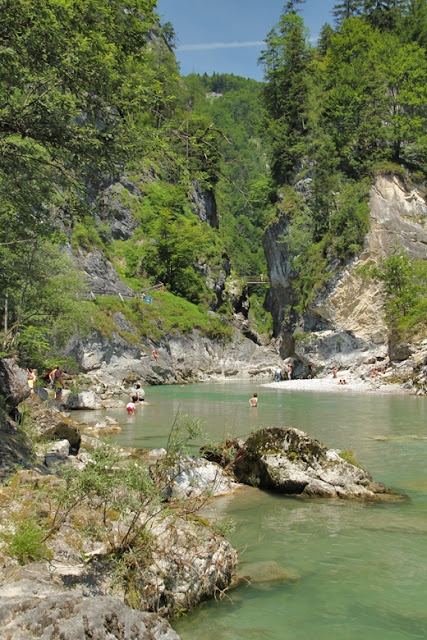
(344, 323)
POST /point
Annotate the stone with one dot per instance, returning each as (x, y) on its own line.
(57, 454)
(290, 462)
(344, 322)
(51, 424)
(196, 476)
(265, 572)
(39, 609)
(15, 448)
(13, 383)
(109, 361)
(84, 400)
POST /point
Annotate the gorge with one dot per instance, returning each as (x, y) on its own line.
(168, 231)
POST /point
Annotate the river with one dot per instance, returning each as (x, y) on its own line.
(341, 570)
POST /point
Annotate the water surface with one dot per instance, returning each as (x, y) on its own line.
(344, 570)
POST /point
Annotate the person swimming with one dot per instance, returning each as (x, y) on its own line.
(254, 401)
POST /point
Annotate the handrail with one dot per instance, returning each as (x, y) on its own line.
(92, 295)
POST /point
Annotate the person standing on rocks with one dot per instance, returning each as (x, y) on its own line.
(32, 379)
(57, 382)
(155, 355)
(289, 372)
(278, 375)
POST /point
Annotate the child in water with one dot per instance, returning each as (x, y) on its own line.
(130, 407)
(254, 401)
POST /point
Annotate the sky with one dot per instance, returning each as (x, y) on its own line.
(227, 36)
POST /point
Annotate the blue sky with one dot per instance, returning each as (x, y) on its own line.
(227, 36)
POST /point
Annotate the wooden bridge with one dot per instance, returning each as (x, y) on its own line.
(259, 279)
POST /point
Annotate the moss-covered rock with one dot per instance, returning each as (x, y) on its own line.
(291, 462)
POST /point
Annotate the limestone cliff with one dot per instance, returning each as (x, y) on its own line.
(191, 358)
(344, 324)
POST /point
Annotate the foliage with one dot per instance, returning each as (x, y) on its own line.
(353, 108)
(243, 193)
(167, 314)
(405, 293)
(40, 285)
(286, 62)
(131, 492)
(27, 543)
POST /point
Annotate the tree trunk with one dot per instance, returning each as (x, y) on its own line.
(6, 311)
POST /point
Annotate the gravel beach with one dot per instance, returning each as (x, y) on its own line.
(332, 385)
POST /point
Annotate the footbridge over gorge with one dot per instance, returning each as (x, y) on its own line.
(258, 279)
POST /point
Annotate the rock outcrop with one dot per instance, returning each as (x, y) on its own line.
(290, 462)
(344, 324)
(34, 608)
(194, 358)
(13, 384)
(16, 448)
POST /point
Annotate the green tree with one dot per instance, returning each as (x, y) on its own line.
(414, 23)
(405, 293)
(384, 14)
(354, 97)
(40, 285)
(286, 63)
(324, 40)
(346, 9)
(171, 254)
(405, 70)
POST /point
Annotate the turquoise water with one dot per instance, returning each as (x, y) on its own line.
(344, 570)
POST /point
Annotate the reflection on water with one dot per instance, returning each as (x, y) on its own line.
(359, 568)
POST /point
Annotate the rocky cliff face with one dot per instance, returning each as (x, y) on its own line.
(113, 211)
(344, 325)
(192, 358)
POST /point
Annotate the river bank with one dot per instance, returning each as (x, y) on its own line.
(332, 385)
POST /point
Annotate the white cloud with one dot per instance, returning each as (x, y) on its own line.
(219, 45)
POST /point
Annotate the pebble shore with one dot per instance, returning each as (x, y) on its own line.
(332, 385)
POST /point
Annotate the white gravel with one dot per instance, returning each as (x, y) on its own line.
(331, 385)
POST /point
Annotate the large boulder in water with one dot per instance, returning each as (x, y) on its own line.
(291, 462)
(84, 400)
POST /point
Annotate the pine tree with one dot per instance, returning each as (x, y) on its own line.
(286, 63)
(384, 14)
(346, 9)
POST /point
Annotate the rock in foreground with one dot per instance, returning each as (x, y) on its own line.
(38, 609)
(291, 462)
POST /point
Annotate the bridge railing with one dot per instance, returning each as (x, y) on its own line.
(256, 279)
(143, 295)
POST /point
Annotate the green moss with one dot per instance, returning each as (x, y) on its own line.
(348, 456)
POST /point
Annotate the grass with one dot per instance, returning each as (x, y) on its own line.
(348, 456)
(27, 543)
(167, 314)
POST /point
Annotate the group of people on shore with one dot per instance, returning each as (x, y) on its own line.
(53, 379)
(280, 374)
